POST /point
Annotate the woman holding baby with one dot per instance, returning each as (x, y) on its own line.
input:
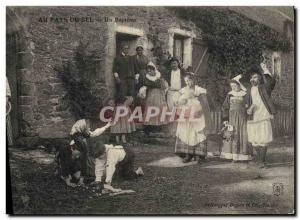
(194, 121)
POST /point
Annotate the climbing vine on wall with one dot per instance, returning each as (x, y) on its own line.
(235, 42)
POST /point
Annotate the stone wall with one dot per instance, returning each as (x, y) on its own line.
(283, 93)
(48, 44)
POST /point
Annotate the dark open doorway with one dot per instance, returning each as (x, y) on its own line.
(128, 39)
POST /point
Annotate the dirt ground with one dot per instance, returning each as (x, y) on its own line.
(215, 187)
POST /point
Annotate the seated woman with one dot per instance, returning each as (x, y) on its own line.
(191, 134)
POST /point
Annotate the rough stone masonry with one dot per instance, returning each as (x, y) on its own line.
(49, 37)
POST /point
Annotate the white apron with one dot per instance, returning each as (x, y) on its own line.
(260, 128)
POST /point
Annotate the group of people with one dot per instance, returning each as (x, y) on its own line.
(76, 160)
(247, 112)
(162, 83)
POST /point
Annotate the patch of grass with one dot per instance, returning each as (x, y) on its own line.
(180, 190)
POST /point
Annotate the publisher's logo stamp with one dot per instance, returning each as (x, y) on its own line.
(277, 189)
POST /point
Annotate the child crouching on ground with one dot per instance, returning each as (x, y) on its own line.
(111, 158)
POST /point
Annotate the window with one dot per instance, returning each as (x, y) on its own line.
(180, 45)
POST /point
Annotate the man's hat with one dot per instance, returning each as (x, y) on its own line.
(254, 69)
(174, 59)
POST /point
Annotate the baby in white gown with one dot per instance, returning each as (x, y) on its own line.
(189, 100)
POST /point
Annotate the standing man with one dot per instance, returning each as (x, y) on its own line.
(139, 62)
(123, 72)
(261, 110)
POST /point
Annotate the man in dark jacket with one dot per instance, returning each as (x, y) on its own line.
(124, 73)
(261, 111)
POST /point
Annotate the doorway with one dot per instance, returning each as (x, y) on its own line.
(130, 40)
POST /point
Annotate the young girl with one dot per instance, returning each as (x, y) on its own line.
(234, 114)
(190, 135)
(122, 126)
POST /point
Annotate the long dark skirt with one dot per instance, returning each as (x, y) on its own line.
(237, 148)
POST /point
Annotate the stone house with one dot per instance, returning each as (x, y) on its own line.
(280, 63)
(41, 38)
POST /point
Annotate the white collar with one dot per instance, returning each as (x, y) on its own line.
(153, 78)
(240, 93)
